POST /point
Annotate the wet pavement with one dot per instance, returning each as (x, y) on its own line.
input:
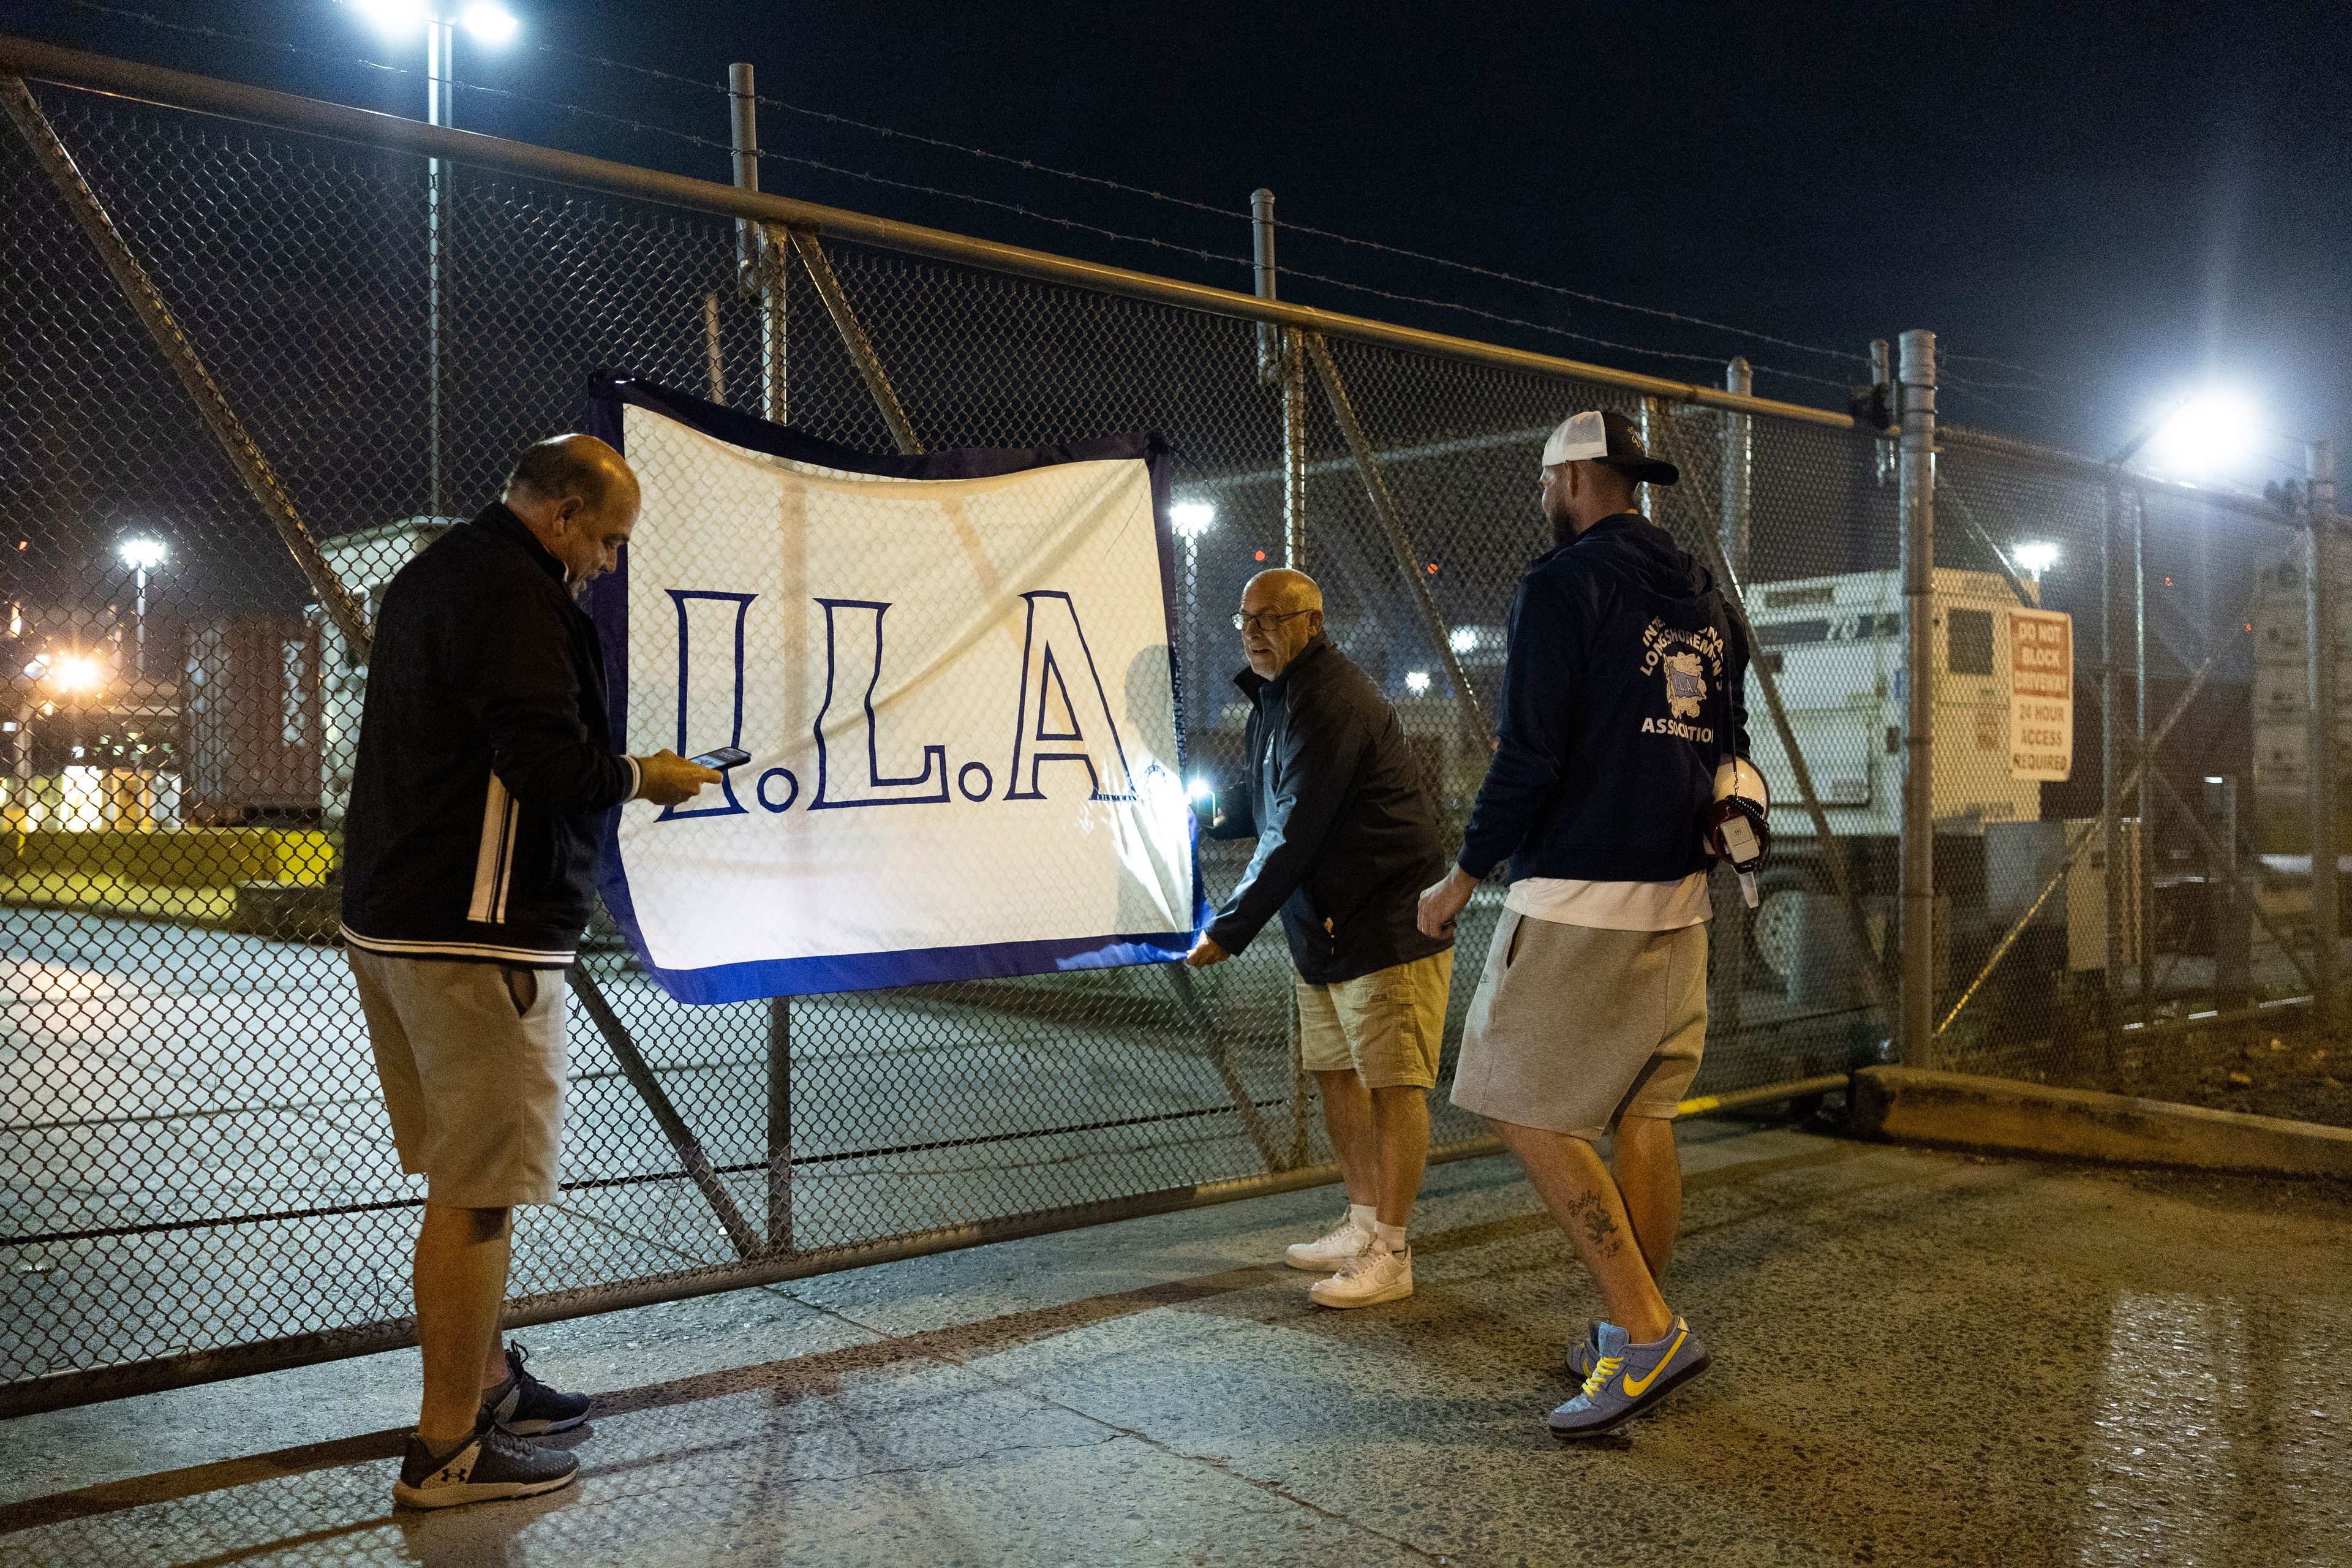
(1920, 1358)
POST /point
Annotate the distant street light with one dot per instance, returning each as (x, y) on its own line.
(140, 554)
(77, 672)
(491, 24)
(2036, 558)
(1417, 682)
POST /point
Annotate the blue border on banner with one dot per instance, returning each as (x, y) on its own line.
(599, 415)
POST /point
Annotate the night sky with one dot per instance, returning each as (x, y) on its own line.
(2123, 203)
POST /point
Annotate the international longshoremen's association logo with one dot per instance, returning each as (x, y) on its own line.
(1685, 684)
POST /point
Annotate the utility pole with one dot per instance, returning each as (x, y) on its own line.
(1916, 392)
(1280, 362)
(2322, 617)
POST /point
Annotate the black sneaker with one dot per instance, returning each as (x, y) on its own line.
(523, 1405)
(486, 1466)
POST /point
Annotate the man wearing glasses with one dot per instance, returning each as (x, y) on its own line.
(1347, 837)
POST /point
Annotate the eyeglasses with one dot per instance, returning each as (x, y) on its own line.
(1266, 621)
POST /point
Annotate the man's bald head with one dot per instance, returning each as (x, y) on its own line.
(580, 499)
(1282, 612)
(563, 466)
(1287, 589)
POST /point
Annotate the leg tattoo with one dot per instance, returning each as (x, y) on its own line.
(1588, 1211)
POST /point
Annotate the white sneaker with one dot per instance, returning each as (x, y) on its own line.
(1367, 1279)
(1327, 1253)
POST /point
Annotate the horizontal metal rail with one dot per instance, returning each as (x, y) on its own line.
(312, 117)
(62, 1390)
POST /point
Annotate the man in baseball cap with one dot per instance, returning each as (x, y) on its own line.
(1606, 438)
(1623, 694)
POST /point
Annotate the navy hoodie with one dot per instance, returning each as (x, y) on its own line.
(1624, 687)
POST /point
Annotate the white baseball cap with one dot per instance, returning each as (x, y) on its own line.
(1607, 437)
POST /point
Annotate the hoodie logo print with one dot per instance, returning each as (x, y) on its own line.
(1685, 684)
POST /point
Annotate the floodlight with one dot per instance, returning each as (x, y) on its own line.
(1192, 519)
(76, 673)
(394, 16)
(490, 22)
(2037, 557)
(143, 554)
(1417, 682)
(1463, 638)
(2209, 432)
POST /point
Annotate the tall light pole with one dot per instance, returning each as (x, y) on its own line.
(492, 24)
(142, 555)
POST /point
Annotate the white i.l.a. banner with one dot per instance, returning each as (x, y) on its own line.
(953, 675)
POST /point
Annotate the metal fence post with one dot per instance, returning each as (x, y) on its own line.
(2321, 614)
(1738, 468)
(1281, 358)
(759, 267)
(1280, 362)
(1917, 1032)
(764, 280)
(2144, 841)
(2110, 824)
(1269, 336)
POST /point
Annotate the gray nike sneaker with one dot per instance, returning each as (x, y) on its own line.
(490, 1464)
(1581, 1359)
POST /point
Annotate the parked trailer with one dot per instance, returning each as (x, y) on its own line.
(1836, 648)
(250, 703)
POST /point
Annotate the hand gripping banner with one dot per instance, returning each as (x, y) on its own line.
(953, 675)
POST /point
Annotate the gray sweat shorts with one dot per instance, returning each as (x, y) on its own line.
(1573, 1028)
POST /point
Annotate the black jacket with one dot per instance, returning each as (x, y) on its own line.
(1347, 832)
(485, 768)
(1623, 686)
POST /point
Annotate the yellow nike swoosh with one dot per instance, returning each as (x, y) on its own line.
(1634, 1389)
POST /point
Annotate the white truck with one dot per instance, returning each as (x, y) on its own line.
(1835, 647)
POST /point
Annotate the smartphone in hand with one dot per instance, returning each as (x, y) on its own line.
(722, 759)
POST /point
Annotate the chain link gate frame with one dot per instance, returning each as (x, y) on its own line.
(197, 1187)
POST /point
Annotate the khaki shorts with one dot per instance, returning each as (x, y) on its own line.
(474, 1068)
(1389, 1025)
(1573, 1028)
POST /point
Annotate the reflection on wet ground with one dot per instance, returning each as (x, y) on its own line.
(1921, 1358)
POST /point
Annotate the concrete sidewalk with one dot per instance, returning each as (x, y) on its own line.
(1920, 1358)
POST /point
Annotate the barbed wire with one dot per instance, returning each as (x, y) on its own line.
(1036, 166)
(653, 128)
(768, 100)
(764, 153)
(1573, 293)
(1289, 272)
(632, 123)
(2006, 365)
(220, 33)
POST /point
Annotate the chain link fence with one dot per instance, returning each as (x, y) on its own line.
(199, 1178)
